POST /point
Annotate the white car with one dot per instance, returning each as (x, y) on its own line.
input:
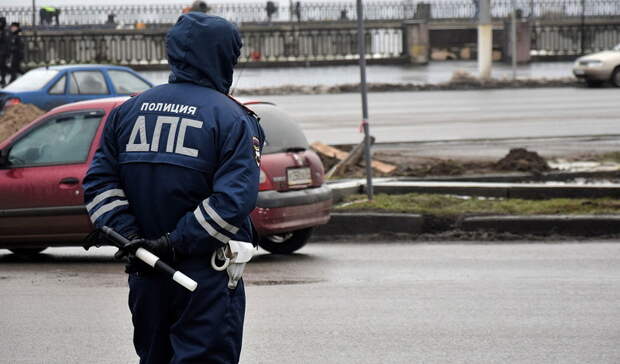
(600, 67)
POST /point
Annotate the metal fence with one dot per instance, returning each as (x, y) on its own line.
(147, 48)
(321, 10)
(573, 40)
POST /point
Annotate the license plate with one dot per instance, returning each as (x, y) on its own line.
(580, 72)
(298, 176)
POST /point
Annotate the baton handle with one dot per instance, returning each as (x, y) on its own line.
(153, 260)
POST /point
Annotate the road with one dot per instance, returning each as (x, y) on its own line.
(346, 303)
(457, 115)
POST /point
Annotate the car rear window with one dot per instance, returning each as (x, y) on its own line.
(282, 133)
(32, 80)
(126, 83)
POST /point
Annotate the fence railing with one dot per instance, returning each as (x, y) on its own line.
(133, 48)
(573, 40)
(321, 10)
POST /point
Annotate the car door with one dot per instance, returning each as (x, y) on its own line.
(41, 193)
(87, 85)
(56, 93)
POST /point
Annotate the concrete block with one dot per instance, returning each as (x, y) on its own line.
(371, 223)
(545, 224)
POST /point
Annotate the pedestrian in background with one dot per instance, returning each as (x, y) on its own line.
(271, 9)
(298, 11)
(48, 14)
(16, 51)
(4, 45)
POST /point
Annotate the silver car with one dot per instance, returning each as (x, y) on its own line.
(599, 67)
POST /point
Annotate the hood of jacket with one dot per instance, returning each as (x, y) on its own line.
(203, 49)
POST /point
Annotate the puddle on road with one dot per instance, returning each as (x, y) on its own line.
(280, 282)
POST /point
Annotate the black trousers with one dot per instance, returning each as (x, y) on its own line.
(4, 69)
(15, 68)
(176, 326)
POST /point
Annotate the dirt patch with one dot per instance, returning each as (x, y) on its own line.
(410, 165)
(15, 117)
(456, 236)
(522, 160)
(460, 80)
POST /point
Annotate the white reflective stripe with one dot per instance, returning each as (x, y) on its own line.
(218, 219)
(205, 225)
(116, 192)
(107, 207)
(185, 281)
(147, 257)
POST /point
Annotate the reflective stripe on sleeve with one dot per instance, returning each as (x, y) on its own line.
(218, 219)
(107, 207)
(116, 192)
(205, 225)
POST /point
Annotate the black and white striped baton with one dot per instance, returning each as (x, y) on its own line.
(150, 259)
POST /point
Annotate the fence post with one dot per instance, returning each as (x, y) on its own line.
(416, 41)
(523, 41)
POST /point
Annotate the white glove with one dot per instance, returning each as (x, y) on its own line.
(235, 255)
(241, 252)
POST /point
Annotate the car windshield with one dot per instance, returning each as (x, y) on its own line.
(617, 47)
(32, 80)
(282, 134)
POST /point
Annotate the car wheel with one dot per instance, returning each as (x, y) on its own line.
(27, 251)
(615, 77)
(593, 83)
(285, 243)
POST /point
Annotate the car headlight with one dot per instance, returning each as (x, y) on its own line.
(591, 63)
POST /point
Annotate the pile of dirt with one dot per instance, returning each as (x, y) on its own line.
(441, 167)
(461, 80)
(15, 117)
(520, 159)
(463, 77)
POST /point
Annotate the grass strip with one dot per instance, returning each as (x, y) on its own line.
(447, 205)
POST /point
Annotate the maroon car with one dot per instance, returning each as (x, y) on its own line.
(42, 167)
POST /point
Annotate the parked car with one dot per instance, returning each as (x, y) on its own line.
(48, 87)
(43, 165)
(600, 67)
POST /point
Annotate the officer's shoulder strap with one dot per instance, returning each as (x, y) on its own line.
(245, 108)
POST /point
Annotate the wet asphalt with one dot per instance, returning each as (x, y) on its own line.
(345, 302)
(457, 115)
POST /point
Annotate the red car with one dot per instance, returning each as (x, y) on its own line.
(42, 167)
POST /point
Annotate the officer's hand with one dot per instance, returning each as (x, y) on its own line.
(130, 249)
(160, 247)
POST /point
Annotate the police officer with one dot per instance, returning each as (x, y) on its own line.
(177, 172)
(4, 40)
(16, 51)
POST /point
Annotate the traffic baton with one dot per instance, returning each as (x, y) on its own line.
(150, 259)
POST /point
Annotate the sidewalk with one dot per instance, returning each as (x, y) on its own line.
(433, 73)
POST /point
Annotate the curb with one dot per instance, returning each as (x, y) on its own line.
(501, 190)
(347, 224)
(579, 225)
(531, 191)
(371, 223)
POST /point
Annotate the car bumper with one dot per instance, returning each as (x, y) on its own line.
(278, 212)
(592, 73)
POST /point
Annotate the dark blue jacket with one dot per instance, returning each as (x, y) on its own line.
(181, 158)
